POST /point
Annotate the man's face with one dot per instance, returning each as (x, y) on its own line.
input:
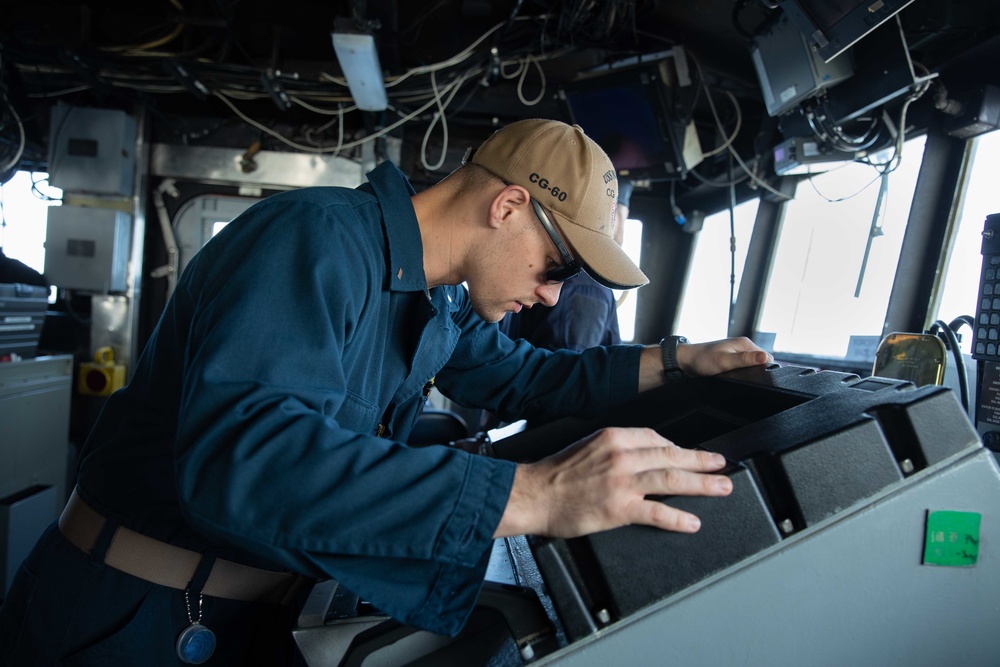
(510, 274)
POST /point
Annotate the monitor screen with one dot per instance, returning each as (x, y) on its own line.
(625, 113)
(620, 119)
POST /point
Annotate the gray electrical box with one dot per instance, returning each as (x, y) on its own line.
(92, 150)
(801, 155)
(88, 248)
(790, 71)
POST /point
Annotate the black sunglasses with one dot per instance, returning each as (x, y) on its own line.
(569, 267)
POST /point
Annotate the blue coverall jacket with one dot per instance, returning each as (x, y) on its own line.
(250, 426)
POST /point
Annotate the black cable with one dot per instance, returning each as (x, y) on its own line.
(718, 184)
(956, 351)
(738, 7)
(957, 323)
(732, 244)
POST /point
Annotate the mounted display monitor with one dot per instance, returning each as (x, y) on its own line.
(831, 26)
(628, 113)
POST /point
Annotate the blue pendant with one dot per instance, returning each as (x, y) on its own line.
(196, 644)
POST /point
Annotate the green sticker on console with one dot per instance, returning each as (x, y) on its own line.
(952, 539)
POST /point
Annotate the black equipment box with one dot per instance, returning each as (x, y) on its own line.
(22, 314)
(803, 446)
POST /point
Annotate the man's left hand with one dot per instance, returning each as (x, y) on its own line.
(720, 356)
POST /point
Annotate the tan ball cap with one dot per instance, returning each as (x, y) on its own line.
(574, 180)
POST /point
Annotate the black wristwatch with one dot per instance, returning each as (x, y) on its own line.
(668, 348)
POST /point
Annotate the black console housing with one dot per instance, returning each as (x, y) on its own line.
(802, 445)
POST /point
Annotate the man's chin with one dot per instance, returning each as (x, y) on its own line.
(490, 315)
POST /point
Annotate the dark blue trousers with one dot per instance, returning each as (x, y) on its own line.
(66, 607)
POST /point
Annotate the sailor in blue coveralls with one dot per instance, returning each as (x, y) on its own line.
(258, 445)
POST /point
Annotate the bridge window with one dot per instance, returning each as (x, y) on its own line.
(961, 278)
(24, 204)
(705, 304)
(835, 260)
(632, 245)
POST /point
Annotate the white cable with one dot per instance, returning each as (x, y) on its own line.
(322, 128)
(459, 57)
(454, 87)
(520, 82)
(897, 155)
(736, 130)
(514, 74)
(444, 129)
(722, 130)
(322, 112)
(352, 144)
(333, 79)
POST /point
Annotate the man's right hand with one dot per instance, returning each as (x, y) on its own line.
(601, 482)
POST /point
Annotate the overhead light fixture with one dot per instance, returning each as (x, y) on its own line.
(359, 62)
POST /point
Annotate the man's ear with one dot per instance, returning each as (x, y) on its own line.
(507, 202)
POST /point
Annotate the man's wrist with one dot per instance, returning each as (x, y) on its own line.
(668, 353)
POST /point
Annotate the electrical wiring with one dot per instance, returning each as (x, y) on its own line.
(732, 244)
(732, 151)
(277, 135)
(440, 115)
(919, 89)
(8, 168)
(951, 339)
(957, 323)
(12, 163)
(522, 73)
(520, 45)
(715, 183)
(436, 97)
(457, 59)
(37, 192)
(324, 112)
(816, 116)
(450, 89)
(203, 69)
(138, 49)
(339, 119)
(166, 39)
(734, 18)
(739, 160)
(845, 197)
(890, 165)
(897, 157)
(596, 22)
(313, 149)
(736, 129)
(863, 142)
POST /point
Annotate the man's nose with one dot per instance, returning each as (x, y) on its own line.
(548, 295)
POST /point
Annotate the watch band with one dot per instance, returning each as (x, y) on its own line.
(668, 349)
